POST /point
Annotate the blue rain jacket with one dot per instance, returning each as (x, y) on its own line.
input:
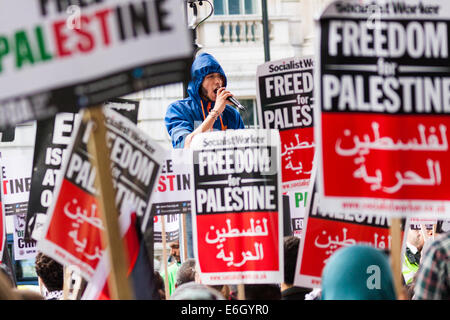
(184, 116)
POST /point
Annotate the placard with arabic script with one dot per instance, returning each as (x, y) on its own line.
(236, 207)
(53, 136)
(72, 234)
(383, 97)
(285, 102)
(63, 56)
(326, 232)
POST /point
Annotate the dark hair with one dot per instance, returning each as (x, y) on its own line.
(262, 292)
(186, 272)
(291, 244)
(159, 284)
(50, 272)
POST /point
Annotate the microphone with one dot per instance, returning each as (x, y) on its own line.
(236, 103)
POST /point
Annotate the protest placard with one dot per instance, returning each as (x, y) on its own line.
(172, 195)
(326, 232)
(57, 56)
(24, 249)
(171, 228)
(72, 234)
(16, 166)
(297, 204)
(237, 207)
(285, 102)
(53, 136)
(16, 180)
(382, 108)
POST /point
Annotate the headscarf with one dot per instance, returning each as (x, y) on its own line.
(358, 272)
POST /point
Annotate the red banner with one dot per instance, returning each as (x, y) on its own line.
(73, 232)
(235, 250)
(378, 158)
(77, 227)
(325, 233)
(285, 102)
(236, 211)
(382, 97)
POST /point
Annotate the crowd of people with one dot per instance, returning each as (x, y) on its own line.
(428, 280)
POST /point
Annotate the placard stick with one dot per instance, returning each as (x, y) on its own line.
(241, 291)
(42, 288)
(396, 255)
(72, 283)
(75, 294)
(66, 284)
(185, 248)
(166, 274)
(118, 283)
(434, 231)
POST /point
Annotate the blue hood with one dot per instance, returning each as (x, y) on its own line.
(203, 65)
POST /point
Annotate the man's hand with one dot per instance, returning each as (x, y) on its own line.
(221, 100)
(188, 140)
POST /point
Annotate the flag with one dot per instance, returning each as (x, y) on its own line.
(140, 270)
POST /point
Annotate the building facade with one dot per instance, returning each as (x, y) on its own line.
(234, 35)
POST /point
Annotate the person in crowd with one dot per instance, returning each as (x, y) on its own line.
(6, 289)
(262, 292)
(7, 272)
(225, 290)
(51, 273)
(433, 276)
(196, 291)
(27, 294)
(441, 228)
(288, 290)
(186, 272)
(173, 267)
(205, 108)
(159, 284)
(358, 272)
(428, 235)
(414, 245)
(174, 252)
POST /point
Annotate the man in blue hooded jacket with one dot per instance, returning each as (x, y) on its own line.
(205, 109)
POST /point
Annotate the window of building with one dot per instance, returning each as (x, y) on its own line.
(234, 7)
(249, 115)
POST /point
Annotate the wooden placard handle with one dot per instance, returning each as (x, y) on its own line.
(118, 283)
(396, 256)
(166, 269)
